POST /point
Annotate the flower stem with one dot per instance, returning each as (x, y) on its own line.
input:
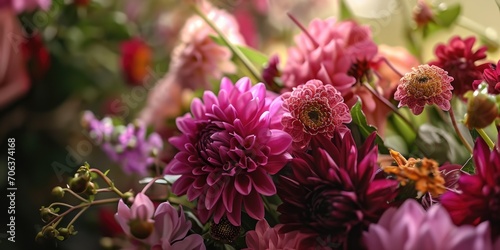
(255, 73)
(271, 211)
(384, 59)
(392, 107)
(74, 194)
(459, 134)
(108, 181)
(486, 138)
(149, 184)
(487, 33)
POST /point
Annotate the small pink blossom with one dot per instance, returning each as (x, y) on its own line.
(425, 85)
(136, 220)
(313, 109)
(266, 237)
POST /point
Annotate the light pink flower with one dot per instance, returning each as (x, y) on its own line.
(227, 151)
(136, 220)
(27, 5)
(198, 58)
(171, 230)
(14, 79)
(313, 109)
(411, 227)
(425, 85)
(266, 237)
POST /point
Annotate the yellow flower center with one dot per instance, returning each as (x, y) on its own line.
(424, 82)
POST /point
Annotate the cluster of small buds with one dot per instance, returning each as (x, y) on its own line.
(84, 187)
(482, 108)
(127, 145)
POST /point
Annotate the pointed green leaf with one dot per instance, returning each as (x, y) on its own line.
(358, 118)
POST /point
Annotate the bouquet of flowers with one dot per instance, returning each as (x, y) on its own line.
(338, 143)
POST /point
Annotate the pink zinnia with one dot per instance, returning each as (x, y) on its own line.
(266, 237)
(478, 198)
(411, 227)
(313, 109)
(334, 192)
(425, 85)
(459, 60)
(227, 151)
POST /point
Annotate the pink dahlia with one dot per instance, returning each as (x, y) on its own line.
(478, 198)
(266, 237)
(333, 193)
(337, 53)
(411, 227)
(424, 85)
(313, 109)
(459, 60)
(227, 151)
(491, 76)
(198, 58)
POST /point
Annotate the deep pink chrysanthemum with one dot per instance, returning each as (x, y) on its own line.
(459, 60)
(313, 109)
(479, 196)
(333, 193)
(266, 237)
(227, 151)
(411, 227)
(491, 76)
(424, 85)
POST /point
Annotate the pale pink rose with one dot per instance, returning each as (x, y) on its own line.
(14, 79)
(198, 58)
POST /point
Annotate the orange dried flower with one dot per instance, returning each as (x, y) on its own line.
(424, 173)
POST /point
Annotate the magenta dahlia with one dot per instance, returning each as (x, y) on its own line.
(313, 109)
(424, 85)
(228, 151)
(333, 193)
(411, 227)
(491, 76)
(478, 198)
(460, 60)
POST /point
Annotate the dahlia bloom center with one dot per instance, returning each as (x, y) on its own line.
(329, 208)
(315, 115)
(423, 84)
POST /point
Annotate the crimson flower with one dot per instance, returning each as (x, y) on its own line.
(227, 151)
(135, 60)
(491, 76)
(479, 197)
(332, 193)
(459, 60)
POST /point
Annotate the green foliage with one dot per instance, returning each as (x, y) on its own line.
(358, 118)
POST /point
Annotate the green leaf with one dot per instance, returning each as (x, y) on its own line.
(106, 173)
(257, 58)
(468, 167)
(345, 12)
(448, 16)
(358, 118)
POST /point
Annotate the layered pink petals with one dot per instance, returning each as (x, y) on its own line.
(411, 227)
(227, 151)
(266, 237)
(142, 209)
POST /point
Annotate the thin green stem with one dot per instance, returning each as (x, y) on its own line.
(149, 184)
(75, 194)
(77, 215)
(459, 134)
(255, 73)
(85, 204)
(60, 204)
(392, 107)
(486, 138)
(108, 181)
(487, 33)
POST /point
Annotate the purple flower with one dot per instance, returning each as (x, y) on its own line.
(478, 198)
(411, 227)
(227, 151)
(333, 193)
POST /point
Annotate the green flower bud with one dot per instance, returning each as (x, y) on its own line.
(50, 232)
(40, 239)
(482, 110)
(141, 229)
(91, 188)
(58, 192)
(128, 198)
(78, 184)
(47, 214)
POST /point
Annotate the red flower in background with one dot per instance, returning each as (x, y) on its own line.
(459, 60)
(491, 76)
(135, 60)
(36, 56)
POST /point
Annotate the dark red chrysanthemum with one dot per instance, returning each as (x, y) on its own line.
(479, 196)
(459, 60)
(332, 193)
(491, 75)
